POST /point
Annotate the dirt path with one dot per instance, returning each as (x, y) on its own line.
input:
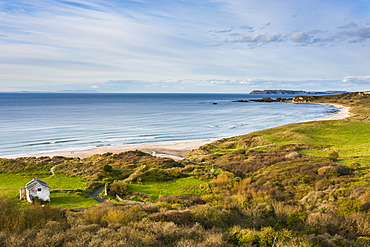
(52, 170)
(96, 197)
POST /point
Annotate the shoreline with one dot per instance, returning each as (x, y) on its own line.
(342, 113)
(171, 149)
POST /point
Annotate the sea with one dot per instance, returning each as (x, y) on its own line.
(38, 123)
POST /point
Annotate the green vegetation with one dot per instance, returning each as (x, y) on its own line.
(304, 184)
(180, 186)
(70, 200)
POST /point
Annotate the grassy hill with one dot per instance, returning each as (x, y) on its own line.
(304, 184)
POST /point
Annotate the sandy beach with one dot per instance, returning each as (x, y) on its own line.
(342, 113)
(172, 149)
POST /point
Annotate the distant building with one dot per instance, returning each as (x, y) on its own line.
(35, 188)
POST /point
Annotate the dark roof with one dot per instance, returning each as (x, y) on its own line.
(34, 182)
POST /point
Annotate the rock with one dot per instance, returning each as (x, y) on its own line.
(240, 100)
(263, 100)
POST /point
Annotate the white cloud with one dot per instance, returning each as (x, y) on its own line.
(357, 79)
(145, 44)
(301, 37)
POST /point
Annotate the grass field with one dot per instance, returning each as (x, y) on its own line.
(349, 138)
(181, 186)
(71, 200)
(11, 183)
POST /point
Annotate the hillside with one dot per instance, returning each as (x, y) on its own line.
(293, 92)
(303, 184)
(358, 101)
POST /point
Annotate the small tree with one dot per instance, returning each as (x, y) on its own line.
(107, 168)
(333, 155)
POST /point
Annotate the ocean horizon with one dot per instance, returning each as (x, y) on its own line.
(37, 123)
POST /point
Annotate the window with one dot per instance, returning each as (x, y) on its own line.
(39, 189)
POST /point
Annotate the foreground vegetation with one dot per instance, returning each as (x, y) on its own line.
(303, 184)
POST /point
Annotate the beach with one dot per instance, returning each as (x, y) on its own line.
(342, 113)
(171, 149)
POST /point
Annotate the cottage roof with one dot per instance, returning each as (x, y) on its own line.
(34, 182)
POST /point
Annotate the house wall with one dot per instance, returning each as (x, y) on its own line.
(22, 193)
(39, 191)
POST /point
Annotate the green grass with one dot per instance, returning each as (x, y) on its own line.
(181, 186)
(349, 138)
(363, 161)
(11, 183)
(65, 182)
(71, 200)
(314, 152)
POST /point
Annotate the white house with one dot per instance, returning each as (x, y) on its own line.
(36, 188)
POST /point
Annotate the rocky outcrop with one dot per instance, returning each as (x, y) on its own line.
(241, 100)
(268, 100)
(293, 92)
(304, 99)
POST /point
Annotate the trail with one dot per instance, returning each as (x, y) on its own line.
(96, 197)
(52, 170)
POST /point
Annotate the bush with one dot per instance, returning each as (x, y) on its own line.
(119, 188)
(347, 206)
(107, 168)
(209, 216)
(333, 155)
(363, 240)
(154, 175)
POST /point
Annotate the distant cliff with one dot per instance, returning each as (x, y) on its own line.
(293, 92)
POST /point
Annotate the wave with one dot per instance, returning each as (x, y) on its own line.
(137, 119)
(40, 143)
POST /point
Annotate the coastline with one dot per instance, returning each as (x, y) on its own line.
(172, 149)
(342, 113)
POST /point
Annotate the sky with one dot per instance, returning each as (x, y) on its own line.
(184, 46)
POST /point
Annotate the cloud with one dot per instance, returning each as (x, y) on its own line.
(138, 45)
(259, 39)
(357, 35)
(301, 37)
(349, 26)
(248, 28)
(359, 80)
(348, 33)
(222, 31)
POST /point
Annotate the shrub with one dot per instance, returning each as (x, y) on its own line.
(180, 217)
(296, 219)
(107, 168)
(244, 237)
(363, 240)
(333, 170)
(321, 223)
(333, 155)
(208, 216)
(154, 175)
(119, 188)
(347, 206)
(354, 165)
(183, 200)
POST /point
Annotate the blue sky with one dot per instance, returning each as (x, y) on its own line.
(230, 46)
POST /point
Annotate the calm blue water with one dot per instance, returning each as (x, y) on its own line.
(31, 124)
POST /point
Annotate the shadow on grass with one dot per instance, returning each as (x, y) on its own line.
(71, 200)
